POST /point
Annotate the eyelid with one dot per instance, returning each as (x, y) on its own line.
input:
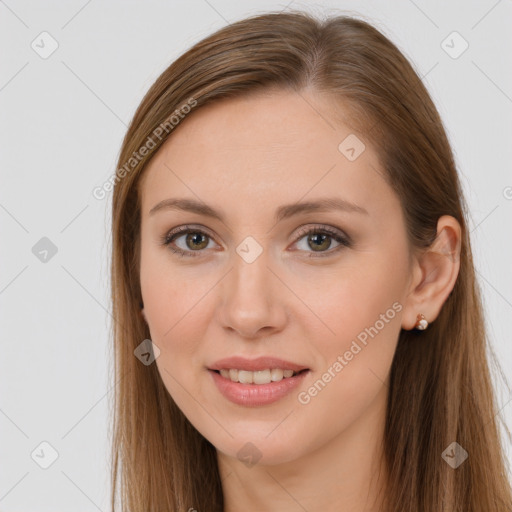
(185, 229)
(321, 228)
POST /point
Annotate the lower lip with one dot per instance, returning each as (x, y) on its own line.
(252, 395)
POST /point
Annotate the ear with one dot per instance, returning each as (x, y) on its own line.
(434, 273)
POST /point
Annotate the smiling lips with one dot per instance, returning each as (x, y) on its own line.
(262, 370)
(256, 382)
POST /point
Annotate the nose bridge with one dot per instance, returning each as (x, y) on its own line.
(251, 299)
(250, 272)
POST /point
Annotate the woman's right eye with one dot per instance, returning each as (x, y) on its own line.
(193, 240)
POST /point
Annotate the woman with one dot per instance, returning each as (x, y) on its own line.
(290, 233)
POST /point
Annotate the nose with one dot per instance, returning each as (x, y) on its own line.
(254, 298)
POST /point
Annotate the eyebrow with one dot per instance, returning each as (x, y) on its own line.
(283, 212)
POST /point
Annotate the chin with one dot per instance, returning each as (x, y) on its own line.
(258, 449)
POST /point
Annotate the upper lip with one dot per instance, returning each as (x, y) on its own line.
(252, 365)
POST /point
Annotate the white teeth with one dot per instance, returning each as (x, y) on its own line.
(257, 377)
(276, 374)
(245, 377)
(261, 377)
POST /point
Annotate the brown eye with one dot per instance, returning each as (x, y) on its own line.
(319, 240)
(194, 241)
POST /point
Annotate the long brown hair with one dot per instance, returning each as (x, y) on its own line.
(440, 388)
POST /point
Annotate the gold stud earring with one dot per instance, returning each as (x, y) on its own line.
(421, 322)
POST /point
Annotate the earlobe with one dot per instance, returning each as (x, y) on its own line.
(421, 322)
(437, 268)
(141, 304)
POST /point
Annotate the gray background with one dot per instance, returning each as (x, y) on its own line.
(62, 122)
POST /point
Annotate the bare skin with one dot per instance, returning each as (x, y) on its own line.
(300, 300)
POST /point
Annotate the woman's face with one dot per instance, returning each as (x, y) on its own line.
(253, 281)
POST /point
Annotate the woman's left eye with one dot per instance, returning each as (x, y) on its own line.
(321, 237)
(317, 238)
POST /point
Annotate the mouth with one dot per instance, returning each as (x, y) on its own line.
(256, 388)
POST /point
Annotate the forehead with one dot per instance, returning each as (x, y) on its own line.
(256, 151)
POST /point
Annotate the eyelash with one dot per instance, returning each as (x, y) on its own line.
(344, 241)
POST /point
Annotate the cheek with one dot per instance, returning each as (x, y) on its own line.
(178, 306)
(353, 297)
(166, 289)
(361, 308)
(355, 360)
(360, 303)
